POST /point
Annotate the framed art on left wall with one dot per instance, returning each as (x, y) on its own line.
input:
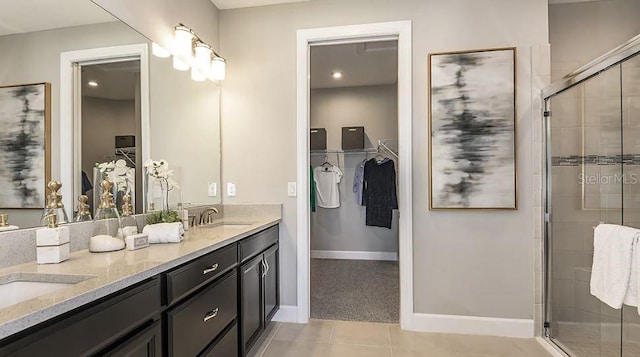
(25, 149)
(472, 127)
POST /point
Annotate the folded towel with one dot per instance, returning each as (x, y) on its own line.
(632, 298)
(164, 232)
(612, 261)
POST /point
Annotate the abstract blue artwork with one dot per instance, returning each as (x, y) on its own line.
(24, 152)
(472, 130)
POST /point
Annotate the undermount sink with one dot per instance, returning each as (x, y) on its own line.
(18, 287)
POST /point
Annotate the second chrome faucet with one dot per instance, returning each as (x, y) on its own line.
(207, 214)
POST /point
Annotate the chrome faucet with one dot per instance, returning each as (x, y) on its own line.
(208, 213)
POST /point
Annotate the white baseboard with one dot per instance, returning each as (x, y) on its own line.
(552, 350)
(474, 325)
(286, 313)
(353, 255)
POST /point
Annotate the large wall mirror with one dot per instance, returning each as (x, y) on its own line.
(127, 107)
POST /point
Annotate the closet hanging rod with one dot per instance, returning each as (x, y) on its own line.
(383, 144)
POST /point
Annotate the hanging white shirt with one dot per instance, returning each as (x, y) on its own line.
(327, 180)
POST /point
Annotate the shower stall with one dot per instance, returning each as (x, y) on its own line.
(592, 140)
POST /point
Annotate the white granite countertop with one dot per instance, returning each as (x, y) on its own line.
(114, 271)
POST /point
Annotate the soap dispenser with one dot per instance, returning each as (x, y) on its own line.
(106, 223)
(54, 205)
(52, 242)
(4, 223)
(84, 214)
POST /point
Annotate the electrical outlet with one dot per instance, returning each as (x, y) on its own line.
(231, 189)
(212, 189)
(291, 189)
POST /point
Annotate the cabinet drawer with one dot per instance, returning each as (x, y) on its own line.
(146, 343)
(94, 328)
(225, 346)
(258, 242)
(193, 324)
(197, 273)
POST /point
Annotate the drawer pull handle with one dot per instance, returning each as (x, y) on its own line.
(210, 315)
(214, 267)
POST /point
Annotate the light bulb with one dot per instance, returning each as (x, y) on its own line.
(182, 42)
(218, 69)
(182, 48)
(202, 59)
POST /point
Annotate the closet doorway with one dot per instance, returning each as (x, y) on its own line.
(307, 38)
(353, 118)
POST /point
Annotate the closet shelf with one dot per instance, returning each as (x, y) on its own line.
(362, 151)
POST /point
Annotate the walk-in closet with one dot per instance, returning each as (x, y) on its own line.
(354, 161)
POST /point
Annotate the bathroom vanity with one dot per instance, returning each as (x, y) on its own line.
(211, 295)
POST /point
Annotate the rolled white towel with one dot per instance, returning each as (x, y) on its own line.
(164, 232)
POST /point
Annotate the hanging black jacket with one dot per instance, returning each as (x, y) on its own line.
(379, 192)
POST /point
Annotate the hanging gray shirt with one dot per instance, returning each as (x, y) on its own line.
(358, 178)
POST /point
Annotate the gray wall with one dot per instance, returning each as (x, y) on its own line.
(102, 120)
(375, 108)
(465, 262)
(580, 32)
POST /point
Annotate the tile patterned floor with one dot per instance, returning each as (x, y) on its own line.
(355, 339)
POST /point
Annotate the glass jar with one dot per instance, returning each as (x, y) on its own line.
(84, 213)
(54, 205)
(107, 219)
(127, 221)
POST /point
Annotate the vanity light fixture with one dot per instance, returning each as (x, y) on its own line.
(159, 51)
(92, 84)
(336, 75)
(190, 52)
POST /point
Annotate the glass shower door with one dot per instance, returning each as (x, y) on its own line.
(585, 180)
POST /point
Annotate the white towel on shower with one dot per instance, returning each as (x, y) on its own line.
(164, 232)
(613, 258)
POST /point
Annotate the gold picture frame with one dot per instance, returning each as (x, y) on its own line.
(472, 130)
(25, 144)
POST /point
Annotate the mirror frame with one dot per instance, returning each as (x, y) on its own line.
(70, 119)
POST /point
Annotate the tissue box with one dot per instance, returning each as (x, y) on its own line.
(137, 241)
(52, 254)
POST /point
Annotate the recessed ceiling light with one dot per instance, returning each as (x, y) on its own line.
(336, 75)
(92, 83)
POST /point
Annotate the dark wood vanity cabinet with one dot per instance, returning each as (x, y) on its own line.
(213, 306)
(259, 285)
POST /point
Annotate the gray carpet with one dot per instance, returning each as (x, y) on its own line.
(355, 290)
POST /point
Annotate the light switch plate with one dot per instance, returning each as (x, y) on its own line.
(212, 189)
(291, 189)
(231, 189)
